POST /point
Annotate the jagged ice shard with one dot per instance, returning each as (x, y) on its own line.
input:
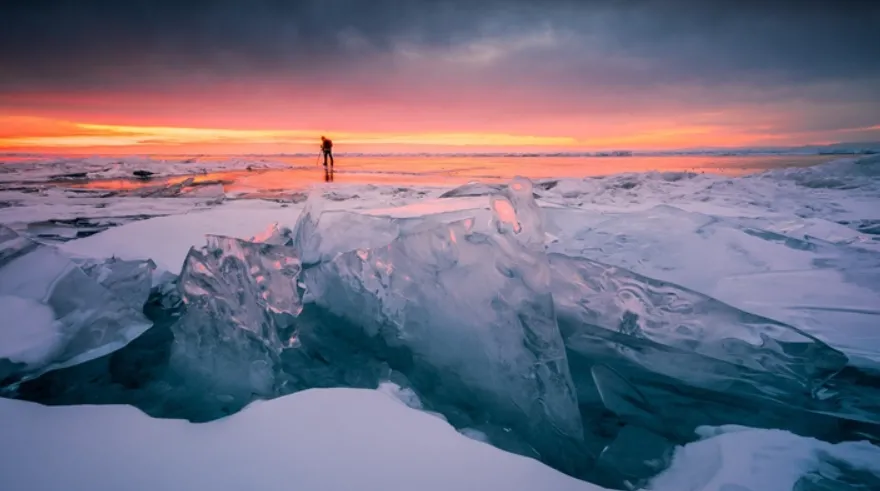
(81, 317)
(467, 315)
(236, 296)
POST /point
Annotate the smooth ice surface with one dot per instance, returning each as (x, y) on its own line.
(343, 439)
(674, 409)
(43, 168)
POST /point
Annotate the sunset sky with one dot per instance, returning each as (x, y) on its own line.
(259, 76)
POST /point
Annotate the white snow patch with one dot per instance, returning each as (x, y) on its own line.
(166, 240)
(316, 440)
(29, 333)
(739, 458)
(344, 439)
(405, 395)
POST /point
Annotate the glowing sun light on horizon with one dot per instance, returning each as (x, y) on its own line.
(52, 135)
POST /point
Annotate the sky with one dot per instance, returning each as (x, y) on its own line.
(264, 76)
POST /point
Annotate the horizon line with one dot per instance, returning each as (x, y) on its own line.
(854, 147)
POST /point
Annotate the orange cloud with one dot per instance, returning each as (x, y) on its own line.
(50, 135)
(43, 133)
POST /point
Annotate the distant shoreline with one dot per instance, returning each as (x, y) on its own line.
(612, 154)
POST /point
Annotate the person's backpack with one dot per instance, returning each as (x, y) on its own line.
(328, 144)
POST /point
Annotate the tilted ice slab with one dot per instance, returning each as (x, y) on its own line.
(468, 316)
(822, 285)
(58, 314)
(659, 325)
(235, 294)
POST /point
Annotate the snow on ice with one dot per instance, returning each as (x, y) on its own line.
(343, 439)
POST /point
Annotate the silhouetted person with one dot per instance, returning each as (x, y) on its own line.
(327, 150)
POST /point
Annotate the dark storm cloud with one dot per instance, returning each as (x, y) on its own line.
(93, 44)
(44, 39)
(793, 39)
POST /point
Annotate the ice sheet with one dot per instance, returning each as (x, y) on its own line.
(796, 246)
(38, 169)
(767, 244)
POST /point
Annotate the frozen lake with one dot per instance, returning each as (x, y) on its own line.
(270, 174)
(611, 322)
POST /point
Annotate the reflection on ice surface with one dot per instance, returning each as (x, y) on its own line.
(595, 341)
